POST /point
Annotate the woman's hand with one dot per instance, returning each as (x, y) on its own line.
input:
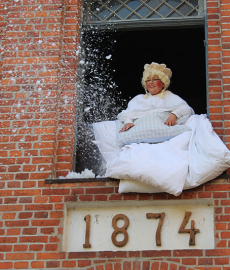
(127, 127)
(171, 121)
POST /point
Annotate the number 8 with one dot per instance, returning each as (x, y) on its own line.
(122, 230)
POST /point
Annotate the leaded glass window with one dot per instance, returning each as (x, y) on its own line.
(121, 11)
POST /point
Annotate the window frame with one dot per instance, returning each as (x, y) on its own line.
(143, 23)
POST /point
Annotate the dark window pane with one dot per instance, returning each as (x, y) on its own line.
(153, 3)
(184, 9)
(164, 10)
(114, 4)
(103, 14)
(114, 18)
(123, 13)
(154, 16)
(93, 18)
(144, 12)
(174, 3)
(175, 15)
(134, 4)
(133, 17)
(195, 13)
(193, 2)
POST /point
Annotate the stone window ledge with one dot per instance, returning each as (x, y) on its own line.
(79, 180)
(106, 179)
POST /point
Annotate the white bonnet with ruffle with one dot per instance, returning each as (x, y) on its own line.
(160, 70)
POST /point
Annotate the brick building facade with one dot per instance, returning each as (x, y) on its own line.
(38, 74)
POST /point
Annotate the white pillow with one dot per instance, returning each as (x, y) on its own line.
(127, 186)
(151, 129)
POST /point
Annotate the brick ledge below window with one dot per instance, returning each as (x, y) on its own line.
(104, 179)
(79, 180)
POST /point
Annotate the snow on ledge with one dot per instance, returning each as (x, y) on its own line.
(84, 174)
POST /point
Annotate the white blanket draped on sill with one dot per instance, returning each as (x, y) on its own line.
(186, 161)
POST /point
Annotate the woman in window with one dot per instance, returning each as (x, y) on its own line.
(156, 80)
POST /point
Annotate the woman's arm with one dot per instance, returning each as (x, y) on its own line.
(126, 127)
(135, 105)
(177, 105)
(171, 120)
(127, 116)
(179, 108)
(183, 109)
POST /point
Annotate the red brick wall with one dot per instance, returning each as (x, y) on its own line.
(225, 34)
(38, 69)
(218, 14)
(32, 228)
(39, 72)
(3, 14)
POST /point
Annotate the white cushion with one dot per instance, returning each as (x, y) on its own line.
(127, 186)
(151, 129)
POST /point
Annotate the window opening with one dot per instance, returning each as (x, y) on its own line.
(111, 72)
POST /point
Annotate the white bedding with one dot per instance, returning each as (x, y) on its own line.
(186, 161)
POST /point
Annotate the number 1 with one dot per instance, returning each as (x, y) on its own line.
(87, 232)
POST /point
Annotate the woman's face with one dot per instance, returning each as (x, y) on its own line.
(154, 85)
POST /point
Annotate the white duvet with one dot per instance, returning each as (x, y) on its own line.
(186, 161)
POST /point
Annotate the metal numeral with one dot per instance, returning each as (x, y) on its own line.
(191, 231)
(87, 232)
(122, 230)
(161, 216)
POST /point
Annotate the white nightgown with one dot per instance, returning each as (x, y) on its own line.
(139, 106)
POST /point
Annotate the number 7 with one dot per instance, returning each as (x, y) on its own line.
(161, 216)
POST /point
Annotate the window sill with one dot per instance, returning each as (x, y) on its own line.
(105, 179)
(78, 180)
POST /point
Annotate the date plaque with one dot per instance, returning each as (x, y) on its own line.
(138, 225)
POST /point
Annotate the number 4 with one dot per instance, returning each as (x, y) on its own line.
(191, 231)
